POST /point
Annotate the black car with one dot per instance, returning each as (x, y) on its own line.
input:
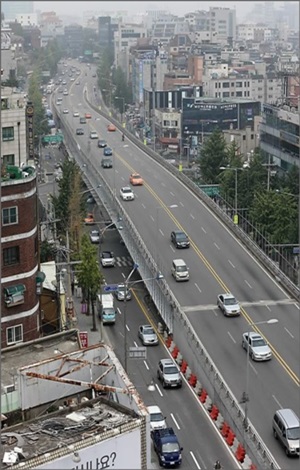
(79, 131)
(102, 143)
(106, 162)
(180, 239)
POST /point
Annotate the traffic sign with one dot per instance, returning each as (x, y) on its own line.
(110, 288)
(53, 139)
(138, 352)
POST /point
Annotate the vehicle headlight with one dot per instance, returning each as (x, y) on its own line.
(162, 458)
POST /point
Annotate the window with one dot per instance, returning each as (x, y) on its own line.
(252, 136)
(226, 94)
(244, 137)
(216, 85)
(239, 84)
(14, 334)
(225, 84)
(8, 159)
(10, 216)
(239, 93)
(232, 83)
(7, 133)
(11, 256)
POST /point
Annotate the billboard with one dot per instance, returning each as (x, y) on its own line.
(120, 452)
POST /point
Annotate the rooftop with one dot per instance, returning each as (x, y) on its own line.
(58, 434)
(32, 352)
(11, 173)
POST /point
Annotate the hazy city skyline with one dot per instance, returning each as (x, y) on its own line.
(178, 8)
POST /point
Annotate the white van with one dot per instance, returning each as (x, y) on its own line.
(180, 271)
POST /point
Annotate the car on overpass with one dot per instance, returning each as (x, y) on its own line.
(126, 193)
(259, 349)
(147, 335)
(136, 180)
(228, 304)
(180, 239)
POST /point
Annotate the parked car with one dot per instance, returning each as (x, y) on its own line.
(258, 347)
(147, 335)
(180, 239)
(228, 304)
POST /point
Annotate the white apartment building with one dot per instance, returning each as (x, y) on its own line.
(27, 19)
(255, 32)
(13, 127)
(223, 22)
(266, 89)
(126, 37)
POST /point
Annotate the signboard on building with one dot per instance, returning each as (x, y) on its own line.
(110, 453)
(83, 335)
(5, 39)
(29, 129)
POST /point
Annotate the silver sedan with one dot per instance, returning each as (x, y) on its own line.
(258, 347)
(148, 335)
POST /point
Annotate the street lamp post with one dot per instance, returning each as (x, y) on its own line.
(236, 169)
(123, 106)
(127, 282)
(246, 398)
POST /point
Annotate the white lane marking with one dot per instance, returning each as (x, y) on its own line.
(172, 194)
(158, 389)
(289, 333)
(173, 418)
(297, 306)
(152, 218)
(182, 205)
(135, 343)
(249, 285)
(192, 216)
(144, 207)
(268, 308)
(146, 365)
(195, 460)
(253, 368)
(230, 262)
(231, 337)
(161, 232)
(217, 246)
(197, 287)
(123, 275)
(203, 229)
(127, 328)
(163, 184)
(119, 311)
(275, 399)
(171, 246)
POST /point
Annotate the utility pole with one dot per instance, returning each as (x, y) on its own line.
(153, 104)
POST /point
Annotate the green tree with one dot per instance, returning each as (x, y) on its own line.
(64, 202)
(291, 180)
(213, 156)
(89, 276)
(276, 214)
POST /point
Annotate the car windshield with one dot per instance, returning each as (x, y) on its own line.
(293, 433)
(258, 342)
(106, 255)
(230, 301)
(148, 331)
(136, 177)
(181, 269)
(109, 311)
(95, 234)
(181, 236)
(170, 447)
(155, 417)
(171, 370)
(126, 190)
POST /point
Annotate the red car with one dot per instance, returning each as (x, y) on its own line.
(88, 116)
(111, 128)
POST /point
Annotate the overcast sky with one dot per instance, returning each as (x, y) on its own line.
(176, 7)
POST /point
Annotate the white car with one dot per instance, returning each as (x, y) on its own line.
(228, 304)
(76, 114)
(258, 347)
(126, 193)
(95, 236)
(157, 420)
(65, 111)
(107, 259)
(93, 135)
(65, 92)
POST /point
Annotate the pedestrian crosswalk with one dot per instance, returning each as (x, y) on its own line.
(123, 261)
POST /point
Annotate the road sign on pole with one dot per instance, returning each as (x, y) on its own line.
(110, 288)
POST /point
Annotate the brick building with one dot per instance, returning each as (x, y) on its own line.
(20, 312)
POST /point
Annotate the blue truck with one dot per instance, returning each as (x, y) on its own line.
(167, 447)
